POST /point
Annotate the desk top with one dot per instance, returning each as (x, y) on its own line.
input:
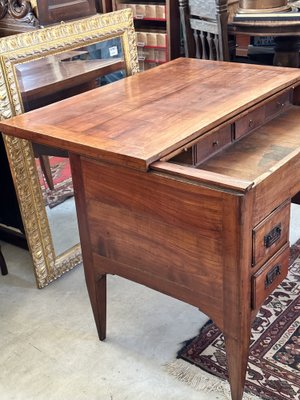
(142, 118)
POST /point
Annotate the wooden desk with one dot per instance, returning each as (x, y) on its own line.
(183, 180)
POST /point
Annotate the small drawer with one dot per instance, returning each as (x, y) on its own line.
(271, 234)
(269, 276)
(249, 122)
(212, 143)
(186, 156)
(278, 105)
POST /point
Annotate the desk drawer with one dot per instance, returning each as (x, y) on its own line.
(257, 117)
(206, 146)
(279, 104)
(268, 277)
(249, 122)
(271, 234)
(212, 143)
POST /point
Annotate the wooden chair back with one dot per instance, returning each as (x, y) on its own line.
(204, 25)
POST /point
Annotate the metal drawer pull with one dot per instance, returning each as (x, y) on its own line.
(272, 236)
(272, 275)
(279, 104)
(251, 123)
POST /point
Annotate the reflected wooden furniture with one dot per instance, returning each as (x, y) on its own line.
(3, 266)
(184, 184)
(54, 78)
(57, 77)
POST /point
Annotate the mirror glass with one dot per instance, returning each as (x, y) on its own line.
(39, 68)
(50, 79)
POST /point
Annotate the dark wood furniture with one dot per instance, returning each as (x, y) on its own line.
(204, 28)
(286, 37)
(3, 266)
(52, 11)
(25, 15)
(184, 184)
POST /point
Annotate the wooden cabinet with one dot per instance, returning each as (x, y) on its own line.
(32, 15)
(52, 11)
(157, 28)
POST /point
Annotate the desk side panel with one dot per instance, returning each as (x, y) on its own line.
(160, 231)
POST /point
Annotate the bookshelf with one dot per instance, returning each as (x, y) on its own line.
(157, 28)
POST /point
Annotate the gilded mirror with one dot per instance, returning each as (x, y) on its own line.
(69, 51)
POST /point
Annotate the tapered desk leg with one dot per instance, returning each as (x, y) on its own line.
(237, 358)
(96, 282)
(101, 306)
(96, 286)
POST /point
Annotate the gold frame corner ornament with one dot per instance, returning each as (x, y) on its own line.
(28, 47)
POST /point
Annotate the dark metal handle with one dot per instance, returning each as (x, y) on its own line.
(272, 275)
(272, 236)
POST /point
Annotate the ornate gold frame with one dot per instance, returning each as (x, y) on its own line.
(31, 46)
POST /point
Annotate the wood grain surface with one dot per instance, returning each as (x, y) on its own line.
(139, 119)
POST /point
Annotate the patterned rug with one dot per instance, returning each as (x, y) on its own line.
(274, 360)
(63, 187)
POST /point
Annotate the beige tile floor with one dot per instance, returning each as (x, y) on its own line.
(49, 349)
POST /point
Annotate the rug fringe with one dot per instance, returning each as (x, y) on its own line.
(201, 380)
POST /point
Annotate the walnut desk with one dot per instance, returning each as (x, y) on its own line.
(183, 178)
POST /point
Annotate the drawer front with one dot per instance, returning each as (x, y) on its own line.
(249, 122)
(271, 234)
(212, 143)
(269, 276)
(278, 105)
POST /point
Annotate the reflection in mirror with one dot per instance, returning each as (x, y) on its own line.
(39, 68)
(51, 79)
